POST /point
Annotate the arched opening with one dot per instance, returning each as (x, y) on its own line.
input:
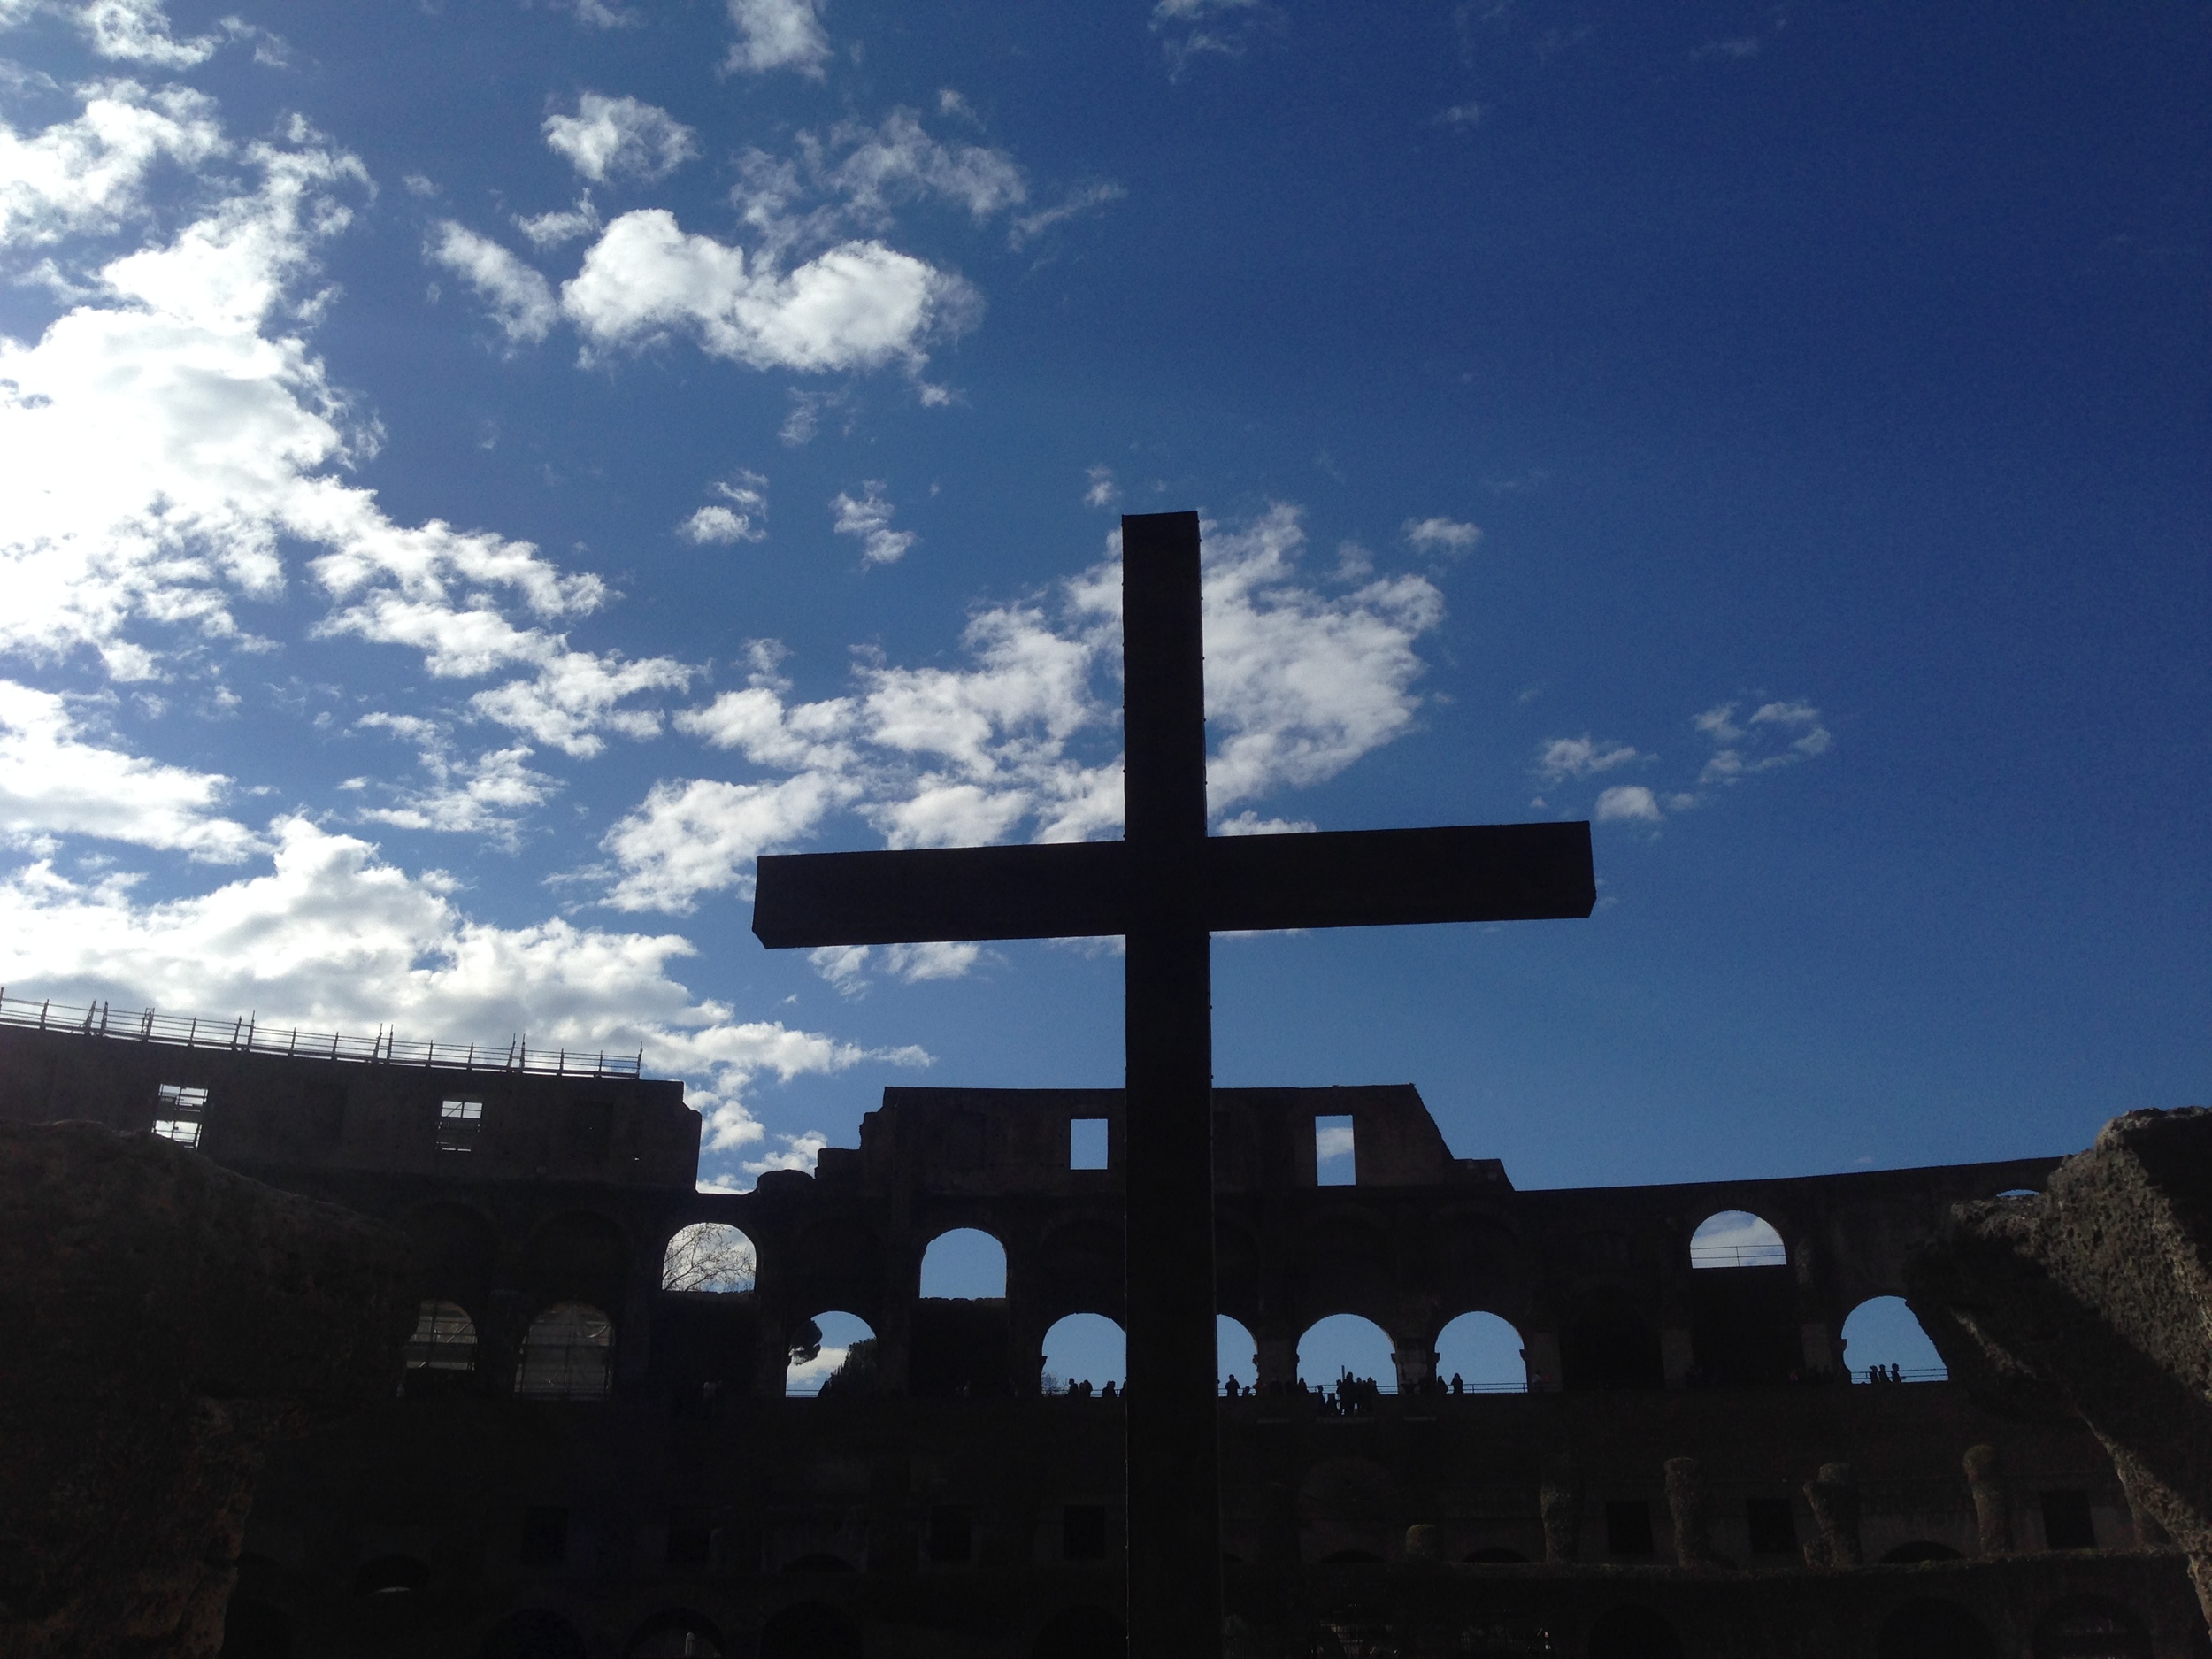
(1083, 1353)
(678, 1634)
(833, 1354)
(810, 1630)
(1933, 1630)
(444, 1339)
(1235, 1354)
(1345, 1345)
(532, 1633)
(966, 1262)
(1883, 1342)
(1919, 1549)
(391, 1575)
(2090, 1627)
(1736, 1238)
(1633, 1633)
(1081, 1632)
(710, 1255)
(1480, 1352)
(1608, 1345)
(566, 1353)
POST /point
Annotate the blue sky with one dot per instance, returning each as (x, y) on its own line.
(474, 476)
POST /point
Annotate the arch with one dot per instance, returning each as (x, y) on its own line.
(1081, 1632)
(1919, 1549)
(810, 1630)
(1086, 1347)
(1633, 1632)
(966, 1263)
(2090, 1627)
(444, 1339)
(566, 1353)
(1484, 1352)
(677, 1634)
(1736, 1238)
(391, 1575)
(580, 1257)
(255, 1630)
(1344, 1342)
(1235, 1353)
(834, 1354)
(532, 1633)
(1609, 1345)
(1931, 1628)
(710, 1255)
(1882, 1331)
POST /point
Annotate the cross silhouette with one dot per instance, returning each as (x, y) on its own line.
(1166, 887)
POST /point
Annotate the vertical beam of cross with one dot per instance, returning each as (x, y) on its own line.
(1174, 1506)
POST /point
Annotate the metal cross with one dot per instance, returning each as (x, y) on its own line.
(1166, 887)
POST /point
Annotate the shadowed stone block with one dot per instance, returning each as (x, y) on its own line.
(2093, 1296)
(1559, 1501)
(1834, 1496)
(1993, 1505)
(167, 1319)
(1690, 1504)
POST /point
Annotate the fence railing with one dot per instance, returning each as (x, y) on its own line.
(1739, 1256)
(245, 1035)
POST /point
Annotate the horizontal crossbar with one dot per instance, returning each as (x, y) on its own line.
(1500, 872)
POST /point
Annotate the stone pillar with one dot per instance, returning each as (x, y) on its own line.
(1415, 1365)
(1541, 1355)
(1834, 1495)
(1675, 1356)
(1277, 1357)
(1690, 1503)
(1423, 1542)
(1992, 1507)
(1559, 1501)
(1819, 1344)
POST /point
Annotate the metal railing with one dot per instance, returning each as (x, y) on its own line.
(1739, 1256)
(245, 1035)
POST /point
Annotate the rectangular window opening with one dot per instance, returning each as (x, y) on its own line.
(1083, 1532)
(458, 1122)
(1772, 1524)
(544, 1536)
(179, 1111)
(1628, 1527)
(951, 1535)
(1335, 1163)
(1087, 1143)
(2066, 1521)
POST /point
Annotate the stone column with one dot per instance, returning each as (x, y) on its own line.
(1690, 1503)
(1834, 1495)
(1819, 1344)
(1559, 1501)
(1993, 1507)
(1277, 1357)
(1541, 1357)
(1675, 1356)
(1415, 1364)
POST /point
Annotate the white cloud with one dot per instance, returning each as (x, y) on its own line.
(131, 31)
(845, 967)
(487, 795)
(87, 176)
(1020, 739)
(1088, 198)
(1743, 751)
(1102, 491)
(1194, 28)
(898, 160)
(520, 299)
(54, 783)
(736, 517)
(1580, 756)
(608, 137)
(1250, 823)
(859, 305)
(869, 518)
(332, 938)
(1628, 801)
(599, 15)
(777, 35)
(1440, 535)
(1460, 115)
(550, 230)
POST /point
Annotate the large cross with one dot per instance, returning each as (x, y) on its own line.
(1165, 886)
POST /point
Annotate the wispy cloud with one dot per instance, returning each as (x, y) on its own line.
(868, 518)
(1439, 535)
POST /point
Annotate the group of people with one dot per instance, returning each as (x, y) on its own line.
(1885, 1373)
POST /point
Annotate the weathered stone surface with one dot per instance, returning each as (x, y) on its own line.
(1833, 1495)
(2096, 1295)
(165, 1319)
(1690, 1506)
